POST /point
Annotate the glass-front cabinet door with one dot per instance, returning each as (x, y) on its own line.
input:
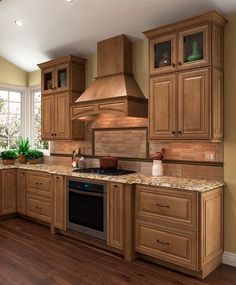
(47, 80)
(193, 48)
(163, 54)
(62, 77)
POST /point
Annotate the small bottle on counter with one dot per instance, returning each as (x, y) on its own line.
(80, 159)
(74, 160)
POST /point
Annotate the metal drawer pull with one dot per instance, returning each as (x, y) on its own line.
(38, 183)
(162, 242)
(162, 206)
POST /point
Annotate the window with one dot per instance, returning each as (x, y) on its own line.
(37, 141)
(10, 117)
(20, 115)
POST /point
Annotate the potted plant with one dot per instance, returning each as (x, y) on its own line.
(35, 156)
(23, 146)
(9, 156)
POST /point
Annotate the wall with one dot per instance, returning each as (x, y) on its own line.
(34, 78)
(11, 74)
(230, 135)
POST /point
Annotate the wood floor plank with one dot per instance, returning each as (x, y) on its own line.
(31, 255)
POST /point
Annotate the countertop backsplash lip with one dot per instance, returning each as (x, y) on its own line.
(175, 182)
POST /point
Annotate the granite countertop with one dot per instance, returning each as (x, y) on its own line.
(181, 183)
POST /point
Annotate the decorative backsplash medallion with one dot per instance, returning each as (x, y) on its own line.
(121, 142)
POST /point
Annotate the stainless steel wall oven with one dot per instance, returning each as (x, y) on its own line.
(86, 207)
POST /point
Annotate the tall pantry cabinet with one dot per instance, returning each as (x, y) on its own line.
(62, 82)
(186, 79)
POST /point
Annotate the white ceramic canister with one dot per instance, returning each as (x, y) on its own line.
(157, 168)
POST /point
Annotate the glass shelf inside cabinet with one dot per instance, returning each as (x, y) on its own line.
(47, 81)
(193, 47)
(62, 78)
(162, 54)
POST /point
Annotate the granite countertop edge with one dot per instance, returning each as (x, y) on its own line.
(180, 183)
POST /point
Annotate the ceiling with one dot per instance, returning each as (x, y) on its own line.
(53, 28)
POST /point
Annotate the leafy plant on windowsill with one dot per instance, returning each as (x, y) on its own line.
(23, 147)
(9, 156)
(35, 156)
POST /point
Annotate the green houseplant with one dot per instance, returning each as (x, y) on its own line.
(35, 156)
(9, 156)
(23, 146)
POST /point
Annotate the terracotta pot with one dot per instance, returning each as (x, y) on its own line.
(108, 162)
(22, 159)
(8, 161)
(36, 161)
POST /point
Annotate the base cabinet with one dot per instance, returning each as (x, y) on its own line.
(182, 228)
(115, 215)
(59, 202)
(38, 196)
(21, 191)
(8, 191)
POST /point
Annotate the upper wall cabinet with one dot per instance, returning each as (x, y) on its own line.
(186, 79)
(62, 82)
(186, 49)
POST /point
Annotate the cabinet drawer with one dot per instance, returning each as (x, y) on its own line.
(38, 208)
(39, 181)
(154, 203)
(173, 246)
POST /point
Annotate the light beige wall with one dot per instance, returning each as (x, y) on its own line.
(141, 65)
(230, 135)
(34, 78)
(11, 74)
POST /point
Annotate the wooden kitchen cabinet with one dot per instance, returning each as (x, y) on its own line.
(8, 191)
(38, 196)
(186, 79)
(115, 215)
(180, 229)
(59, 202)
(21, 191)
(63, 81)
(162, 107)
(179, 105)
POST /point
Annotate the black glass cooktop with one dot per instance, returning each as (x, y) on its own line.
(97, 170)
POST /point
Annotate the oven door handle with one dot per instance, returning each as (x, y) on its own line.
(87, 193)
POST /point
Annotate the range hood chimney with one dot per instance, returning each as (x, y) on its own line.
(114, 91)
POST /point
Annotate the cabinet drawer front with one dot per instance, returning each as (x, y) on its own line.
(38, 208)
(167, 244)
(167, 205)
(39, 181)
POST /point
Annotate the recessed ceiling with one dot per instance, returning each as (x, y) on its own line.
(53, 28)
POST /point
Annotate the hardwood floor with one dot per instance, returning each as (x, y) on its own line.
(30, 255)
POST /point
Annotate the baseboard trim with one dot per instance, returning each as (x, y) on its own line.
(229, 258)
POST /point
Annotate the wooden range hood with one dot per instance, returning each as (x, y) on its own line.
(114, 91)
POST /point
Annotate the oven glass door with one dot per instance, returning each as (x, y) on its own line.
(87, 213)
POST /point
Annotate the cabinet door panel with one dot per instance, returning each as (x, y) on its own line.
(48, 80)
(163, 54)
(8, 191)
(115, 216)
(21, 191)
(62, 116)
(62, 77)
(162, 107)
(194, 47)
(59, 202)
(48, 117)
(194, 104)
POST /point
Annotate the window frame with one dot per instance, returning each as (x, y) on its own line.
(27, 110)
(22, 90)
(31, 134)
